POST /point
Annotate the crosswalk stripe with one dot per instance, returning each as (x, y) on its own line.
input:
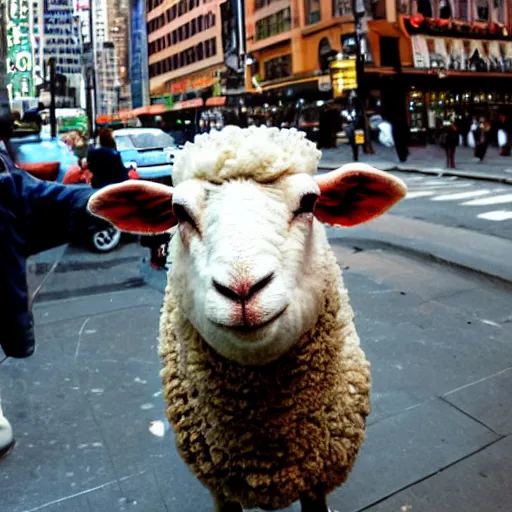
(461, 195)
(485, 201)
(447, 186)
(435, 182)
(419, 193)
(497, 215)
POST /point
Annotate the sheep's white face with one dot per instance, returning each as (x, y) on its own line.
(248, 260)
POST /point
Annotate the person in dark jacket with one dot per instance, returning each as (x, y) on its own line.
(34, 216)
(482, 138)
(105, 162)
(449, 141)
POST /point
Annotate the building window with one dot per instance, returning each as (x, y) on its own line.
(280, 67)
(341, 7)
(186, 57)
(425, 8)
(482, 10)
(313, 14)
(274, 24)
(463, 10)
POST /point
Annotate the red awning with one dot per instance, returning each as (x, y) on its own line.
(216, 101)
(195, 103)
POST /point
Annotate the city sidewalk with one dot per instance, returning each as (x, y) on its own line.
(89, 417)
(427, 160)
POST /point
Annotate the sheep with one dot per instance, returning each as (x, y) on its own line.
(266, 385)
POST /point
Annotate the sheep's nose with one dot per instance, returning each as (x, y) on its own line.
(243, 290)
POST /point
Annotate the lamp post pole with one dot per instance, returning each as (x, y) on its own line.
(359, 10)
(53, 93)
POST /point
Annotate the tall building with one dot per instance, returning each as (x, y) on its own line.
(184, 47)
(138, 54)
(55, 33)
(107, 78)
(118, 33)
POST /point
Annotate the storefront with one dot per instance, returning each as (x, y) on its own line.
(449, 69)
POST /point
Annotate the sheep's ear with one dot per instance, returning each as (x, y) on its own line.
(356, 193)
(135, 206)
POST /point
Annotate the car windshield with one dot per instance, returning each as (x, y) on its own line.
(147, 140)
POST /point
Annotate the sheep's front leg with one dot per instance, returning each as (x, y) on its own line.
(318, 503)
(222, 505)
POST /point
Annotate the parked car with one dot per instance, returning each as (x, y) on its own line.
(49, 159)
(150, 149)
(45, 158)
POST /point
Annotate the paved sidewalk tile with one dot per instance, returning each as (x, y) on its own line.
(488, 400)
(406, 448)
(481, 483)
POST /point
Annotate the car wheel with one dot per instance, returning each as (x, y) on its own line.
(106, 240)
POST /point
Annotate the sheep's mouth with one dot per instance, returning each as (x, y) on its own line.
(251, 328)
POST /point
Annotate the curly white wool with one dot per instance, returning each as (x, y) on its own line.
(259, 153)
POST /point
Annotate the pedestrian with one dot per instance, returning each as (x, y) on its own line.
(105, 162)
(34, 216)
(79, 147)
(481, 134)
(503, 135)
(449, 140)
(463, 125)
(354, 130)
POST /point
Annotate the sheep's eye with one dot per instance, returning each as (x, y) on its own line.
(182, 214)
(307, 204)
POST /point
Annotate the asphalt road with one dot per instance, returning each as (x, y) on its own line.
(477, 205)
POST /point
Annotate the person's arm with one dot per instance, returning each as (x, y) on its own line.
(53, 213)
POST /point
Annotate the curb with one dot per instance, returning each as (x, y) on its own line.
(435, 172)
(431, 255)
(157, 279)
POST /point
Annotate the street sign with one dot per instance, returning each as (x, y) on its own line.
(343, 75)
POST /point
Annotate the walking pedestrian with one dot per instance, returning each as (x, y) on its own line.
(481, 134)
(449, 140)
(34, 216)
(105, 162)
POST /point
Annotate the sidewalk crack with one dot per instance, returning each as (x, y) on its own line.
(430, 475)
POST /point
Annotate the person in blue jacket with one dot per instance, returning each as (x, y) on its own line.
(34, 216)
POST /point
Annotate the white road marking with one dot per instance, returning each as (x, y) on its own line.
(461, 195)
(497, 215)
(414, 195)
(446, 186)
(435, 182)
(505, 198)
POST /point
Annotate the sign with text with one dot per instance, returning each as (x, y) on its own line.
(20, 66)
(461, 54)
(343, 76)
